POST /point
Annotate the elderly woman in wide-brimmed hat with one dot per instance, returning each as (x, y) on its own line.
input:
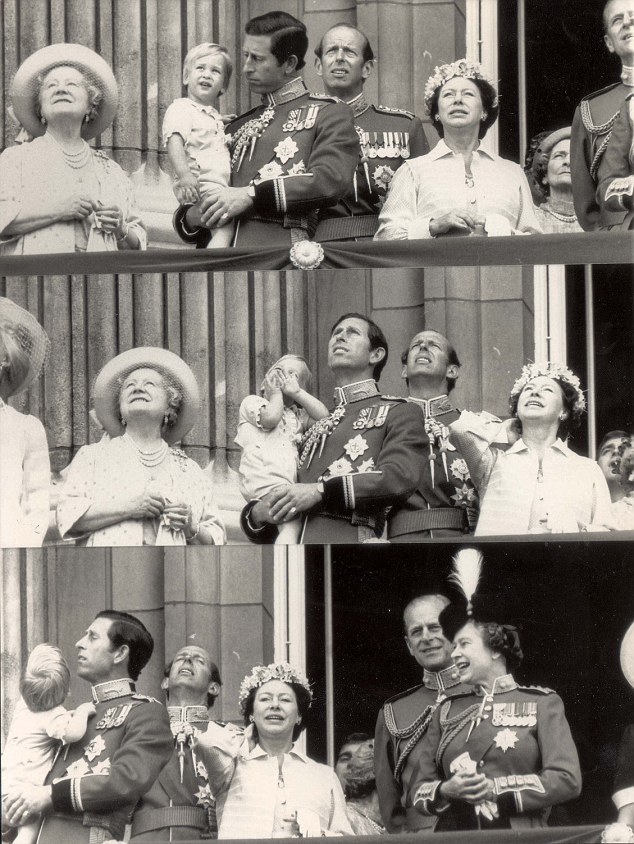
(265, 787)
(458, 188)
(528, 478)
(134, 487)
(550, 171)
(502, 756)
(57, 194)
(25, 471)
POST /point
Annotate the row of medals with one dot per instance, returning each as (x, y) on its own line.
(385, 144)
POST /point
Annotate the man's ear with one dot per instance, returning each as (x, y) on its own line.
(214, 688)
(291, 64)
(366, 70)
(404, 371)
(453, 371)
(121, 653)
(318, 66)
(609, 43)
(377, 355)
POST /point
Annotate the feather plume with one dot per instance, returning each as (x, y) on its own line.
(467, 567)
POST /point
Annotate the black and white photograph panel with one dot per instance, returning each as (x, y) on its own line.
(198, 409)
(481, 691)
(278, 137)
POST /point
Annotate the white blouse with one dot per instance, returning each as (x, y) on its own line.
(429, 186)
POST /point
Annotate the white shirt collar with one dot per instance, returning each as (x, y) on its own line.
(441, 150)
(520, 445)
(258, 752)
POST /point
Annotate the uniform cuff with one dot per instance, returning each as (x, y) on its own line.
(339, 494)
(265, 534)
(64, 795)
(270, 196)
(199, 236)
(427, 799)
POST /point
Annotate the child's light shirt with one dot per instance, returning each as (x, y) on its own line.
(32, 742)
(203, 134)
(269, 457)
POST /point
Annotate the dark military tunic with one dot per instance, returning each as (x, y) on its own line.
(400, 729)
(299, 152)
(519, 737)
(386, 138)
(616, 170)
(624, 780)
(368, 453)
(97, 782)
(180, 805)
(591, 129)
(446, 501)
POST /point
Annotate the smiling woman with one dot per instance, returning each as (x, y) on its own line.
(265, 787)
(132, 488)
(528, 479)
(57, 194)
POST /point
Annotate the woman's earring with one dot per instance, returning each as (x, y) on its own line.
(251, 718)
(166, 420)
(437, 118)
(43, 120)
(87, 118)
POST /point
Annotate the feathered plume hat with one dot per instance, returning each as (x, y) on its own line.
(479, 604)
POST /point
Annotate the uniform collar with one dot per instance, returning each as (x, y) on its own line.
(359, 104)
(432, 407)
(291, 91)
(503, 684)
(441, 680)
(627, 76)
(113, 689)
(441, 150)
(357, 391)
(197, 714)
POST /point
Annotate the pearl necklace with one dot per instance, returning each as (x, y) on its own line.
(565, 218)
(75, 160)
(148, 458)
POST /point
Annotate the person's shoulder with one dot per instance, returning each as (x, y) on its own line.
(602, 93)
(391, 111)
(139, 699)
(414, 692)
(536, 691)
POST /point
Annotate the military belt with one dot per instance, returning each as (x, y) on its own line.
(345, 228)
(438, 518)
(148, 820)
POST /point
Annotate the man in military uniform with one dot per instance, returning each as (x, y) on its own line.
(445, 502)
(290, 156)
(180, 805)
(386, 136)
(595, 117)
(356, 466)
(95, 783)
(404, 719)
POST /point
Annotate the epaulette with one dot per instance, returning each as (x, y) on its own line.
(595, 94)
(406, 693)
(389, 110)
(393, 398)
(146, 698)
(326, 98)
(542, 690)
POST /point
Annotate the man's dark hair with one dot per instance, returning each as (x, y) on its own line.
(214, 677)
(613, 435)
(128, 630)
(375, 336)
(355, 738)
(452, 356)
(288, 35)
(368, 52)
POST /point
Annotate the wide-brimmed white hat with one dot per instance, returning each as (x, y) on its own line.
(627, 655)
(26, 85)
(30, 337)
(173, 368)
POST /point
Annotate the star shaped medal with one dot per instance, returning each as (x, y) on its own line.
(506, 739)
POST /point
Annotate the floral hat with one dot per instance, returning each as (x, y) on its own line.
(172, 367)
(30, 337)
(26, 86)
(444, 72)
(262, 674)
(550, 370)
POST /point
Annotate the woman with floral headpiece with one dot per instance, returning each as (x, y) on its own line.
(265, 787)
(25, 470)
(528, 478)
(502, 755)
(458, 188)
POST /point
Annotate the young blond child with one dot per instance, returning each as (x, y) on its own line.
(194, 132)
(269, 429)
(39, 724)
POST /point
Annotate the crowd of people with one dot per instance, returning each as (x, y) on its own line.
(468, 749)
(372, 467)
(327, 166)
